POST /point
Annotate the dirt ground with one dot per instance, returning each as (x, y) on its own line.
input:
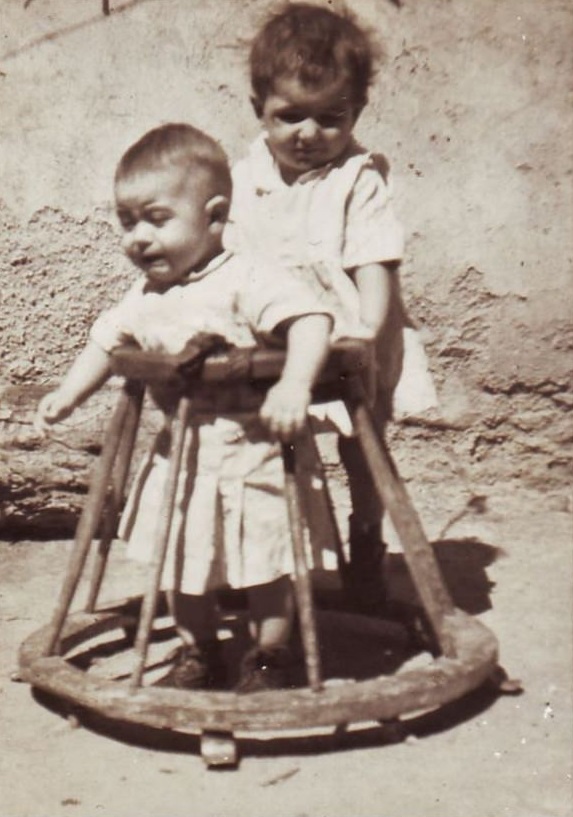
(473, 108)
(484, 755)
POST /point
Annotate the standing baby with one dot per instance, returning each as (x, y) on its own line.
(230, 526)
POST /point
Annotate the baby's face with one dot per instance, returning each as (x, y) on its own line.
(166, 223)
(307, 128)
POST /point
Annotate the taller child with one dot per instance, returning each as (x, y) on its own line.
(309, 197)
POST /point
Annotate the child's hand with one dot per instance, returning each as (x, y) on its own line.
(362, 332)
(285, 409)
(52, 408)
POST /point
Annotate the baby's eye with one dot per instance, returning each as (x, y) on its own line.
(127, 223)
(157, 217)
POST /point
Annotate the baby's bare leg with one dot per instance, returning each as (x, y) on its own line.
(271, 611)
(197, 663)
(195, 616)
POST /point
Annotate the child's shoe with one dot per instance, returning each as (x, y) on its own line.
(264, 669)
(194, 667)
(364, 573)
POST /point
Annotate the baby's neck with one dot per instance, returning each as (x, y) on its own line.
(214, 253)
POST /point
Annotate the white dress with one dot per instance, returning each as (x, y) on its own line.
(230, 522)
(328, 222)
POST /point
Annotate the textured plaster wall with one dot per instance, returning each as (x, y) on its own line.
(473, 107)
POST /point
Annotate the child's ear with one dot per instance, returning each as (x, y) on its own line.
(217, 209)
(257, 106)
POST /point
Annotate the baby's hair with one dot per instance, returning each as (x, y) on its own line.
(178, 145)
(315, 45)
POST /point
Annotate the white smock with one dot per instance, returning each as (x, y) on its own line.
(324, 225)
(230, 523)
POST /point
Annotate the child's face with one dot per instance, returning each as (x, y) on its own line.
(167, 223)
(307, 129)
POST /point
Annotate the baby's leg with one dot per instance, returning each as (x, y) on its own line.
(197, 664)
(195, 616)
(271, 612)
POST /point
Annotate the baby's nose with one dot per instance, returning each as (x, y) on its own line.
(308, 129)
(139, 236)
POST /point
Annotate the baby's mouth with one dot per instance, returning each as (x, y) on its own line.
(149, 261)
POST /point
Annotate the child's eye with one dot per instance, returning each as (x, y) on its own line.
(331, 120)
(290, 117)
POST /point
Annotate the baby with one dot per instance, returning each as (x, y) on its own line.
(230, 526)
(311, 199)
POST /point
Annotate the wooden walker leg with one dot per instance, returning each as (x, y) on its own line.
(418, 553)
(115, 499)
(89, 520)
(149, 605)
(303, 590)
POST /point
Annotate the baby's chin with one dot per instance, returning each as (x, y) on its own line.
(160, 273)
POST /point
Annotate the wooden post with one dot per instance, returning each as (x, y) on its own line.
(418, 553)
(303, 588)
(149, 605)
(89, 520)
(135, 393)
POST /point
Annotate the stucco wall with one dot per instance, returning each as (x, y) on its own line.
(472, 106)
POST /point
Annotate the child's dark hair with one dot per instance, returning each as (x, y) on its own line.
(180, 145)
(317, 46)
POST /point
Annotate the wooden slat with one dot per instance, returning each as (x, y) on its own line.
(161, 541)
(418, 553)
(89, 520)
(302, 585)
(135, 392)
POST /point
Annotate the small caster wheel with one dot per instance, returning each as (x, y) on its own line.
(505, 685)
(73, 720)
(219, 750)
(339, 734)
(16, 677)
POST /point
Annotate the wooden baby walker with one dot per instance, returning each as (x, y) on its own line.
(463, 653)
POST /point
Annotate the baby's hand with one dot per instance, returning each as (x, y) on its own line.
(52, 408)
(285, 408)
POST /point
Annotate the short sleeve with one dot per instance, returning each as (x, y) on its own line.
(372, 232)
(113, 328)
(271, 297)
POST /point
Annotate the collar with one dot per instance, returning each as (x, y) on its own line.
(192, 275)
(213, 265)
(265, 172)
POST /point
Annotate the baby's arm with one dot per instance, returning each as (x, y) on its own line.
(88, 372)
(286, 405)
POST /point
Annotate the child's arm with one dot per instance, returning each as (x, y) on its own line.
(285, 408)
(88, 372)
(374, 284)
